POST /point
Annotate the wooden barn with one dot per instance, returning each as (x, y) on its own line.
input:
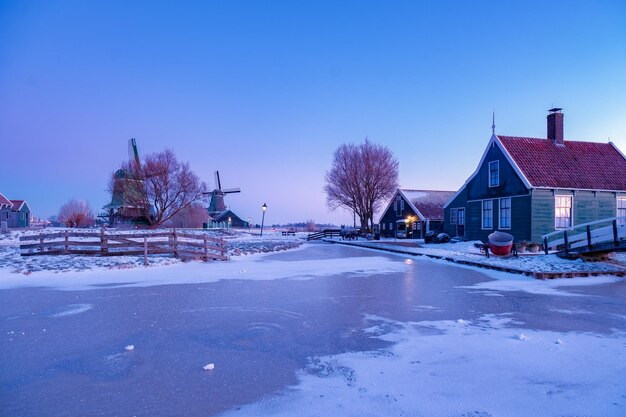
(412, 213)
(530, 187)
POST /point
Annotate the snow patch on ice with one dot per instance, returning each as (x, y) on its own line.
(252, 267)
(73, 309)
(480, 368)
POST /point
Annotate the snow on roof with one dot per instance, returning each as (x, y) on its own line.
(573, 165)
(429, 203)
(5, 201)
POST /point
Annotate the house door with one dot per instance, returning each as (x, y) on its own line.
(460, 222)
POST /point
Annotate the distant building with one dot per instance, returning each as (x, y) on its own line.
(530, 187)
(227, 219)
(413, 213)
(14, 213)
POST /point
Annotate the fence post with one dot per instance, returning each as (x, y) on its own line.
(66, 245)
(145, 251)
(104, 243)
(206, 249)
(545, 244)
(589, 236)
(41, 244)
(566, 242)
(615, 237)
(175, 241)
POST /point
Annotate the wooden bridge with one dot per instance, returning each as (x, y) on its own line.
(593, 238)
(174, 242)
(324, 234)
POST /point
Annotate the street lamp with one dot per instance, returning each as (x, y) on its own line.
(264, 207)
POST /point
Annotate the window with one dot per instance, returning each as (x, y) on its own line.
(384, 225)
(401, 205)
(621, 210)
(390, 226)
(562, 211)
(487, 214)
(494, 173)
(414, 225)
(452, 216)
(505, 213)
(461, 216)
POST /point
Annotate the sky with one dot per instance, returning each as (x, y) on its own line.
(265, 91)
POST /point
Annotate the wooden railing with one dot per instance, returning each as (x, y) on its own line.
(324, 233)
(179, 243)
(599, 235)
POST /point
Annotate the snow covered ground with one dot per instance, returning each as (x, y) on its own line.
(531, 262)
(321, 330)
(238, 243)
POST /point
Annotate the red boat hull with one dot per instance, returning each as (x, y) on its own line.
(500, 243)
(500, 250)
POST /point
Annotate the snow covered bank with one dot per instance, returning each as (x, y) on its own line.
(461, 368)
(252, 267)
(238, 243)
(539, 264)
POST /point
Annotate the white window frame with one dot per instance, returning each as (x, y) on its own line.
(621, 199)
(459, 210)
(510, 213)
(482, 215)
(401, 205)
(497, 184)
(384, 226)
(390, 226)
(453, 212)
(571, 211)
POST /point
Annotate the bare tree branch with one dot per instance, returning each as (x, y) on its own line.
(360, 179)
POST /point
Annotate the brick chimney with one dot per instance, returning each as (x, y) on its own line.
(555, 126)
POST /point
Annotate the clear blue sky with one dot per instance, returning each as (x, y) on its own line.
(265, 91)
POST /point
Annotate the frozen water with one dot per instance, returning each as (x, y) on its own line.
(377, 337)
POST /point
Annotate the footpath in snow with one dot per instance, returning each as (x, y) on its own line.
(538, 265)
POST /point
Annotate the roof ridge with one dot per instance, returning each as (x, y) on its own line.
(566, 140)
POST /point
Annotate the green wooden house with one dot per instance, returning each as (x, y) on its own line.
(533, 186)
(14, 213)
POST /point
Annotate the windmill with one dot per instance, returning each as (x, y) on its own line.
(216, 204)
(125, 207)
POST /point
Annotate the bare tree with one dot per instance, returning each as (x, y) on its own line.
(310, 225)
(360, 179)
(158, 189)
(76, 213)
(193, 216)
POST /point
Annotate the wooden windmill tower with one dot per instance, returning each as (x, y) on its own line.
(216, 204)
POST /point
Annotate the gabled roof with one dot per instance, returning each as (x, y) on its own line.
(5, 201)
(573, 165)
(18, 204)
(427, 204)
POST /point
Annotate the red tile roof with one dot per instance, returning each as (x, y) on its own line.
(4, 201)
(428, 202)
(576, 165)
(17, 204)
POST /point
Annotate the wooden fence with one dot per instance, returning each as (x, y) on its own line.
(174, 242)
